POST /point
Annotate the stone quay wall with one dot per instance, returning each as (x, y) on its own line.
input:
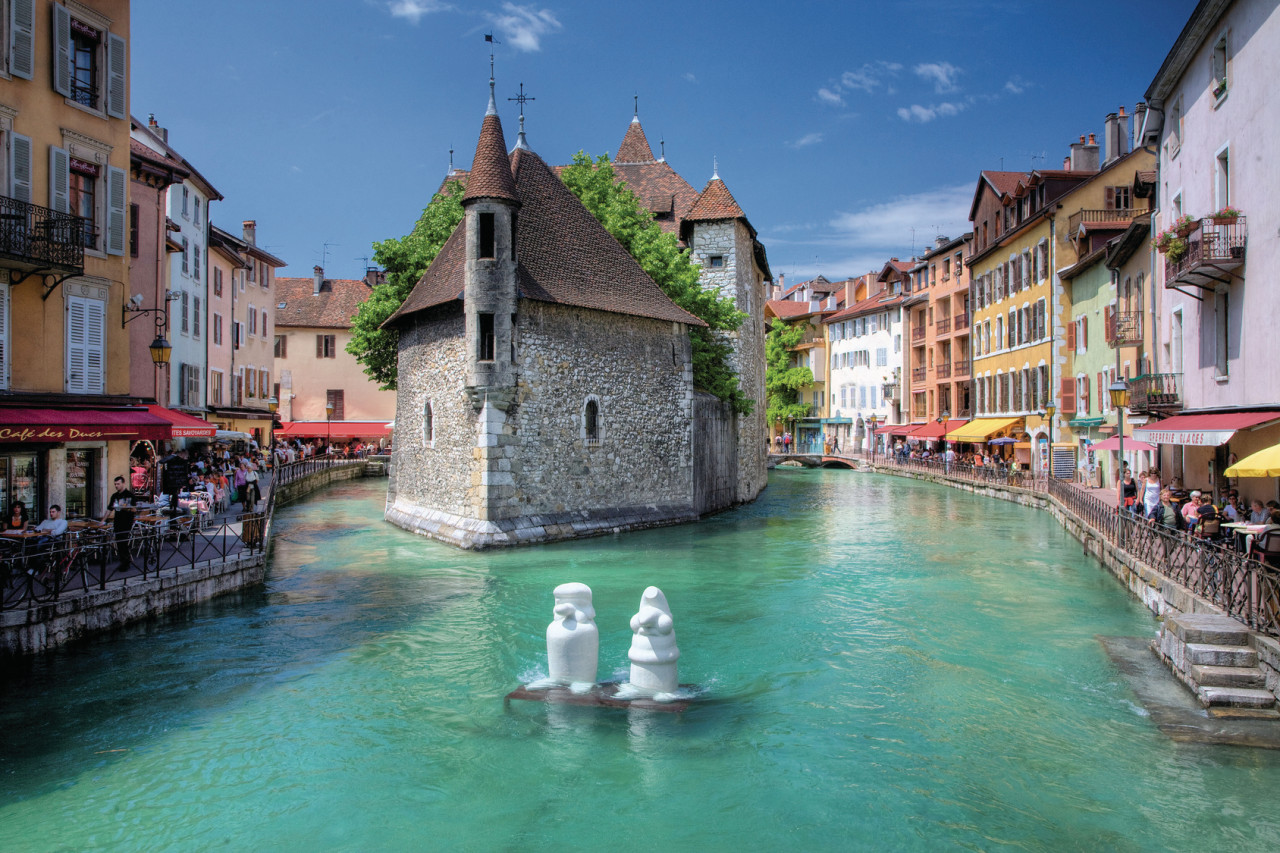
(715, 462)
(49, 625)
(1159, 594)
(521, 469)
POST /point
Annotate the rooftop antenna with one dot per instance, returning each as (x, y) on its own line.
(913, 241)
(366, 262)
(521, 98)
(324, 253)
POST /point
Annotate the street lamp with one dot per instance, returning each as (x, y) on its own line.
(1119, 392)
(160, 348)
(871, 425)
(1049, 411)
(328, 426)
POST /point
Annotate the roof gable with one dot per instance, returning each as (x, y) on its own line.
(332, 308)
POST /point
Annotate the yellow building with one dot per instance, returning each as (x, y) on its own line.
(66, 423)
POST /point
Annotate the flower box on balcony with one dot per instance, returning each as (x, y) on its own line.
(1226, 216)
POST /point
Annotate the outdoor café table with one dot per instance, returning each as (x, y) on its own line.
(1243, 534)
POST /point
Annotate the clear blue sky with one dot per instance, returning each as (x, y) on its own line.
(838, 126)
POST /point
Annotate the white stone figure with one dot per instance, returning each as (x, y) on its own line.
(573, 640)
(653, 649)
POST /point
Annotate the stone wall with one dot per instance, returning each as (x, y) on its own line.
(715, 458)
(741, 280)
(525, 471)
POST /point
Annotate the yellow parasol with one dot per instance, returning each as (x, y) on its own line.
(1264, 463)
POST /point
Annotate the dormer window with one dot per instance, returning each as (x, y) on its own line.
(484, 245)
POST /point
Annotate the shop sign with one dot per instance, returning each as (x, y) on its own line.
(46, 434)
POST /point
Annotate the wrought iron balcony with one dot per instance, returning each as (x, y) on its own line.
(1124, 328)
(1214, 253)
(1155, 392)
(962, 320)
(960, 368)
(917, 334)
(918, 374)
(942, 326)
(37, 239)
(942, 371)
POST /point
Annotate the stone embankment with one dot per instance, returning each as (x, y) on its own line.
(46, 622)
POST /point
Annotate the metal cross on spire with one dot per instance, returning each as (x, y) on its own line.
(521, 142)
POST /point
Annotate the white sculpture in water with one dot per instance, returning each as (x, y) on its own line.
(653, 649)
(573, 640)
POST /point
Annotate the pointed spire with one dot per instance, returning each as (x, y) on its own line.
(635, 146)
(635, 116)
(715, 168)
(450, 172)
(493, 105)
(521, 142)
(714, 202)
(662, 144)
(491, 167)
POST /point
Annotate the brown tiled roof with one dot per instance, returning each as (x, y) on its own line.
(635, 146)
(490, 169)
(715, 202)
(332, 308)
(565, 256)
(787, 309)
(660, 189)
(875, 302)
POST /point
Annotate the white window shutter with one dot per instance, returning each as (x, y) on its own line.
(22, 38)
(116, 180)
(59, 179)
(20, 167)
(95, 345)
(76, 346)
(61, 50)
(117, 61)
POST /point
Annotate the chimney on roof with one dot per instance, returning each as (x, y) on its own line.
(1066, 164)
(155, 128)
(1084, 155)
(1116, 136)
(251, 231)
(1139, 116)
(317, 280)
(940, 241)
(374, 276)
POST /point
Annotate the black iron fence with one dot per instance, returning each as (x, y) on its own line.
(1216, 569)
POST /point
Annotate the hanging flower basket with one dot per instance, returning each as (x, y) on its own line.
(1171, 245)
(1184, 225)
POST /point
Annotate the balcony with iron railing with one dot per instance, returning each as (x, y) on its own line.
(919, 374)
(942, 371)
(917, 334)
(962, 320)
(942, 326)
(1215, 249)
(1155, 392)
(1123, 328)
(960, 368)
(1117, 218)
(37, 239)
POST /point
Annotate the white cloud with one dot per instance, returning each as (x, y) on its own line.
(1017, 86)
(690, 76)
(413, 10)
(524, 26)
(829, 97)
(807, 140)
(943, 75)
(923, 114)
(863, 240)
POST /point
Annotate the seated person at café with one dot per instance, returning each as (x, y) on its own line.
(1258, 513)
(1206, 512)
(53, 526)
(1191, 510)
(18, 517)
(1232, 509)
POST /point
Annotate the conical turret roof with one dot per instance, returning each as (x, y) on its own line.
(635, 146)
(491, 169)
(715, 202)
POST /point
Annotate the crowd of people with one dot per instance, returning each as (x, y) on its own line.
(1193, 511)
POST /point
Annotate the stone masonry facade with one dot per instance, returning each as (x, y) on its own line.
(742, 280)
(484, 476)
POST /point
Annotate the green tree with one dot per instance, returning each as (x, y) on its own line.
(659, 254)
(405, 260)
(782, 381)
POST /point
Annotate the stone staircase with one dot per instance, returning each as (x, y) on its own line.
(1214, 656)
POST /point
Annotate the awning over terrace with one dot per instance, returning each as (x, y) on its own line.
(979, 429)
(1207, 430)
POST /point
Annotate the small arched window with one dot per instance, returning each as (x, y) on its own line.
(591, 422)
(428, 425)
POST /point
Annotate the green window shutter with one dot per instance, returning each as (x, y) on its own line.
(22, 38)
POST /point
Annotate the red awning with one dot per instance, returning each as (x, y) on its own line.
(46, 426)
(183, 425)
(1113, 443)
(1208, 430)
(895, 429)
(937, 429)
(335, 429)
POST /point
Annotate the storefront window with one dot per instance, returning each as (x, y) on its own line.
(20, 481)
(81, 475)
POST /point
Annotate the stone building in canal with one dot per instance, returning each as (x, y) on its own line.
(546, 382)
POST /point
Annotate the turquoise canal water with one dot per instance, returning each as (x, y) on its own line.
(885, 665)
